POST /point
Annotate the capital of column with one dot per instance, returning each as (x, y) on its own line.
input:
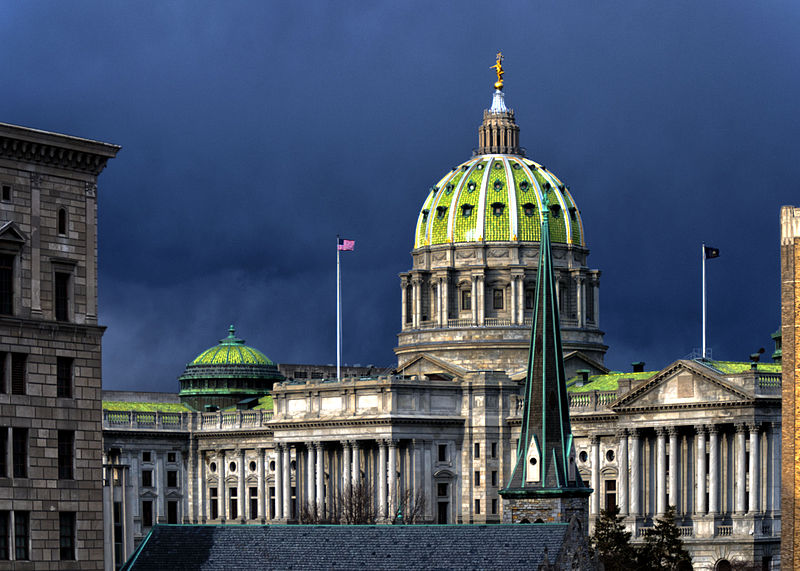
(712, 428)
(594, 440)
(672, 431)
(622, 433)
(355, 444)
(754, 427)
(392, 443)
(661, 431)
(319, 444)
(344, 443)
(634, 432)
(701, 430)
(776, 426)
(741, 427)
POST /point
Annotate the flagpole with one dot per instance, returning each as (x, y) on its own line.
(338, 314)
(703, 255)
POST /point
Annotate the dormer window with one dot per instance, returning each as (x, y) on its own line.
(497, 208)
(464, 167)
(572, 211)
(524, 186)
(471, 186)
(448, 189)
(433, 189)
(466, 210)
(440, 212)
(517, 166)
(555, 210)
(425, 215)
(480, 167)
(529, 208)
(498, 166)
(498, 184)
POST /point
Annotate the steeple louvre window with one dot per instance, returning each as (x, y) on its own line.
(61, 296)
(6, 197)
(6, 284)
(62, 222)
(589, 302)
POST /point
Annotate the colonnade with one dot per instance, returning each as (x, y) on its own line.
(701, 470)
(442, 295)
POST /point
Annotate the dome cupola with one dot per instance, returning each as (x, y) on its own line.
(226, 374)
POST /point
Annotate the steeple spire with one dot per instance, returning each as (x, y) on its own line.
(545, 471)
(499, 133)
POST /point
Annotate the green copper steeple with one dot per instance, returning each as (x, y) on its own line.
(546, 451)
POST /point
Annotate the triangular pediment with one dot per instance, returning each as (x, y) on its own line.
(10, 232)
(578, 360)
(682, 384)
(432, 367)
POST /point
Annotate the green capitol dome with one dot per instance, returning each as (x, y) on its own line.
(497, 197)
(227, 374)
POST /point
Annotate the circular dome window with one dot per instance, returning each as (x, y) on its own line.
(471, 186)
(213, 466)
(272, 465)
(583, 456)
(252, 466)
(610, 455)
(533, 461)
(232, 466)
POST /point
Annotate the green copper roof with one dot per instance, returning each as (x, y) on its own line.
(231, 351)
(145, 406)
(735, 367)
(607, 382)
(497, 198)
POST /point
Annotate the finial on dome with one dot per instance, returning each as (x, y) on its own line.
(231, 331)
(499, 67)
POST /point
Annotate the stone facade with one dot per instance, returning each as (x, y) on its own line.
(50, 389)
(790, 309)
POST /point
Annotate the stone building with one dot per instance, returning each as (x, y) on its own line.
(50, 384)
(437, 439)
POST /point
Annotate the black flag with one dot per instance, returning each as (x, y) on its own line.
(710, 252)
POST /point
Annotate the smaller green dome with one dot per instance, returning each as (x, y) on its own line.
(231, 351)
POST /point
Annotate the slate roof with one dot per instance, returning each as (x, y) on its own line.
(310, 547)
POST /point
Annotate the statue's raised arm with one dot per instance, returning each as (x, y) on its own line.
(499, 67)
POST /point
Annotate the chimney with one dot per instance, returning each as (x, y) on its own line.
(638, 367)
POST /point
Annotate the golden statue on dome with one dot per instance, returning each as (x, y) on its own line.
(499, 67)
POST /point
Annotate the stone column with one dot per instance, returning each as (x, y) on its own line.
(347, 466)
(700, 471)
(223, 487)
(320, 491)
(595, 503)
(392, 479)
(713, 470)
(661, 470)
(382, 470)
(417, 301)
(776, 468)
(202, 508)
(278, 482)
(161, 487)
(287, 482)
(741, 468)
(445, 285)
(242, 499)
(474, 300)
(674, 455)
(622, 454)
(754, 469)
(513, 312)
(403, 307)
(263, 489)
(521, 300)
(579, 298)
(36, 264)
(481, 301)
(311, 497)
(356, 463)
(636, 472)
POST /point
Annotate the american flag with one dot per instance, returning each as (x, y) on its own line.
(346, 245)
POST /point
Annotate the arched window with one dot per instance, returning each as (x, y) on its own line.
(62, 221)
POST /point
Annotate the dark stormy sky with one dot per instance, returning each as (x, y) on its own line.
(254, 132)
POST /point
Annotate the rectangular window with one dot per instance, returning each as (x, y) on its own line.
(147, 513)
(611, 494)
(147, 478)
(66, 535)
(61, 296)
(253, 503)
(172, 457)
(147, 457)
(442, 452)
(272, 502)
(441, 490)
(5, 537)
(3, 357)
(529, 296)
(494, 506)
(172, 511)
(6, 284)
(118, 534)
(494, 477)
(466, 300)
(172, 478)
(64, 377)
(213, 502)
(477, 507)
(233, 503)
(6, 193)
(589, 303)
(66, 453)
(19, 437)
(494, 449)
(18, 366)
(477, 478)
(3, 452)
(477, 450)
(497, 299)
(409, 307)
(301, 374)
(21, 535)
